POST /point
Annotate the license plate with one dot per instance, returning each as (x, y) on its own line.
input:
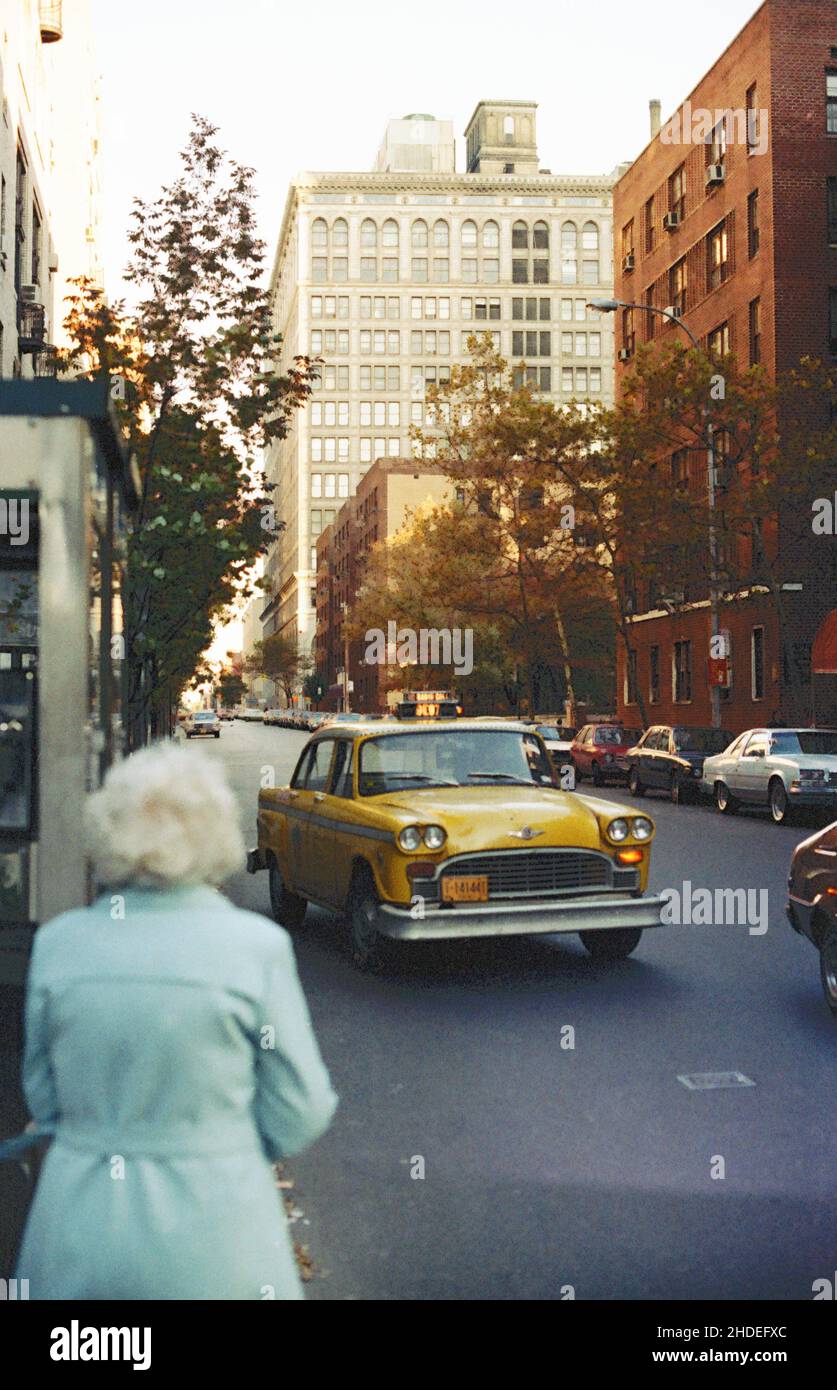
(472, 888)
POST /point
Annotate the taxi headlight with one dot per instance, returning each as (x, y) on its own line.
(642, 828)
(409, 838)
(434, 836)
(618, 830)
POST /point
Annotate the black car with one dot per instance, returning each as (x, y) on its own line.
(670, 757)
(812, 902)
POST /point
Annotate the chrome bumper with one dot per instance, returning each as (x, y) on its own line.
(518, 918)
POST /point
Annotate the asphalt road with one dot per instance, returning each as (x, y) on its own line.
(547, 1167)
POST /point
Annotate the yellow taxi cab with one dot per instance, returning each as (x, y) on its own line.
(421, 831)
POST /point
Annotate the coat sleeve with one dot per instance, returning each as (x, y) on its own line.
(38, 1078)
(294, 1098)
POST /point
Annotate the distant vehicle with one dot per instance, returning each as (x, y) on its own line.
(598, 752)
(465, 820)
(670, 758)
(225, 713)
(559, 742)
(203, 723)
(781, 769)
(249, 714)
(812, 902)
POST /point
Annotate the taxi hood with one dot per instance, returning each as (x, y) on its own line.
(485, 817)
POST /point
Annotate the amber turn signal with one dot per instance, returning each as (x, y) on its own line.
(629, 856)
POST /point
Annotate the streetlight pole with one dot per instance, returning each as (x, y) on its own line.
(344, 608)
(610, 306)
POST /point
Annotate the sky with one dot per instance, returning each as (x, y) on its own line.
(310, 86)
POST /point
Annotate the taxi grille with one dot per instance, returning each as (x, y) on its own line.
(539, 873)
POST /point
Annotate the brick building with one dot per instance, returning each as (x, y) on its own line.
(732, 217)
(385, 495)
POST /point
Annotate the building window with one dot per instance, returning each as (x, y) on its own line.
(566, 309)
(628, 331)
(520, 271)
(595, 380)
(419, 270)
(718, 255)
(491, 236)
(567, 379)
(319, 269)
(339, 268)
(389, 235)
(650, 228)
(831, 101)
(654, 675)
(368, 233)
(628, 239)
(389, 269)
(316, 484)
(755, 332)
(590, 272)
(630, 678)
(677, 192)
(340, 233)
(546, 378)
(441, 235)
(716, 144)
(469, 270)
(540, 236)
(718, 341)
(441, 270)
(368, 268)
(682, 672)
(508, 168)
(752, 119)
(418, 235)
(832, 211)
(520, 237)
(469, 236)
(753, 229)
(757, 662)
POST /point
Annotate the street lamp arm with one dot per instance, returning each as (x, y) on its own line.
(609, 306)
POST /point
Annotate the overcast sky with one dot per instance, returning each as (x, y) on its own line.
(297, 86)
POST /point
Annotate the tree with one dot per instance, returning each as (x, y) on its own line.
(278, 659)
(199, 396)
(231, 688)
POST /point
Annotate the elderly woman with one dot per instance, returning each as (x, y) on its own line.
(169, 1049)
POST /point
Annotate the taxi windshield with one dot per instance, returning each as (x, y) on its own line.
(452, 758)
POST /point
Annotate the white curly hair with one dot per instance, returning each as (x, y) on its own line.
(164, 817)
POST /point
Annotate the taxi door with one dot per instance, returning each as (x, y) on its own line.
(304, 838)
(331, 836)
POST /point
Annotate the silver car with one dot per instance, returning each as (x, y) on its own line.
(203, 722)
(777, 768)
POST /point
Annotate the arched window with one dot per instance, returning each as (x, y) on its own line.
(569, 236)
(590, 237)
(508, 127)
(319, 233)
(520, 237)
(540, 236)
(441, 234)
(368, 232)
(469, 236)
(491, 236)
(390, 232)
(340, 233)
(419, 234)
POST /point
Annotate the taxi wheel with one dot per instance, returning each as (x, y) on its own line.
(288, 908)
(635, 786)
(828, 967)
(367, 945)
(611, 945)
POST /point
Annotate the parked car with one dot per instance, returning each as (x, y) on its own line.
(203, 723)
(450, 830)
(598, 752)
(559, 742)
(812, 902)
(670, 758)
(782, 769)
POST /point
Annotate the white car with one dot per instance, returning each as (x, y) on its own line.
(777, 768)
(204, 722)
(559, 742)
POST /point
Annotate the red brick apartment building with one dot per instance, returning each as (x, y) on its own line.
(384, 497)
(750, 255)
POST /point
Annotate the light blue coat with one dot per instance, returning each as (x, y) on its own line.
(173, 1053)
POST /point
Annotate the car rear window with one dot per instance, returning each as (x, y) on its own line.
(617, 735)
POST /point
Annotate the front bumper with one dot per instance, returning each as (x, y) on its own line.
(605, 913)
(814, 796)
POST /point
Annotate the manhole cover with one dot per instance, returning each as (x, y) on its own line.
(714, 1080)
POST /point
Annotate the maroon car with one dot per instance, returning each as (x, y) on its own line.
(599, 751)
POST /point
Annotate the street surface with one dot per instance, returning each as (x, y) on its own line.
(547, 1167)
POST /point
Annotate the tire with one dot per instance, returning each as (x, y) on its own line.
(777, 800)
(828, 966)
(368, 947)
(611, 945)
(218, 735)
(288, 908)
(635, 784)
(724, 799)
(596, 773)
(678, 790)
(577, 771)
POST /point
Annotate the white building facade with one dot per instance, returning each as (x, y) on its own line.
(50, 190)
(385, 275)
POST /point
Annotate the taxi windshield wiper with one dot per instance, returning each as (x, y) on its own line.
(420, 777)
(504, 777)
